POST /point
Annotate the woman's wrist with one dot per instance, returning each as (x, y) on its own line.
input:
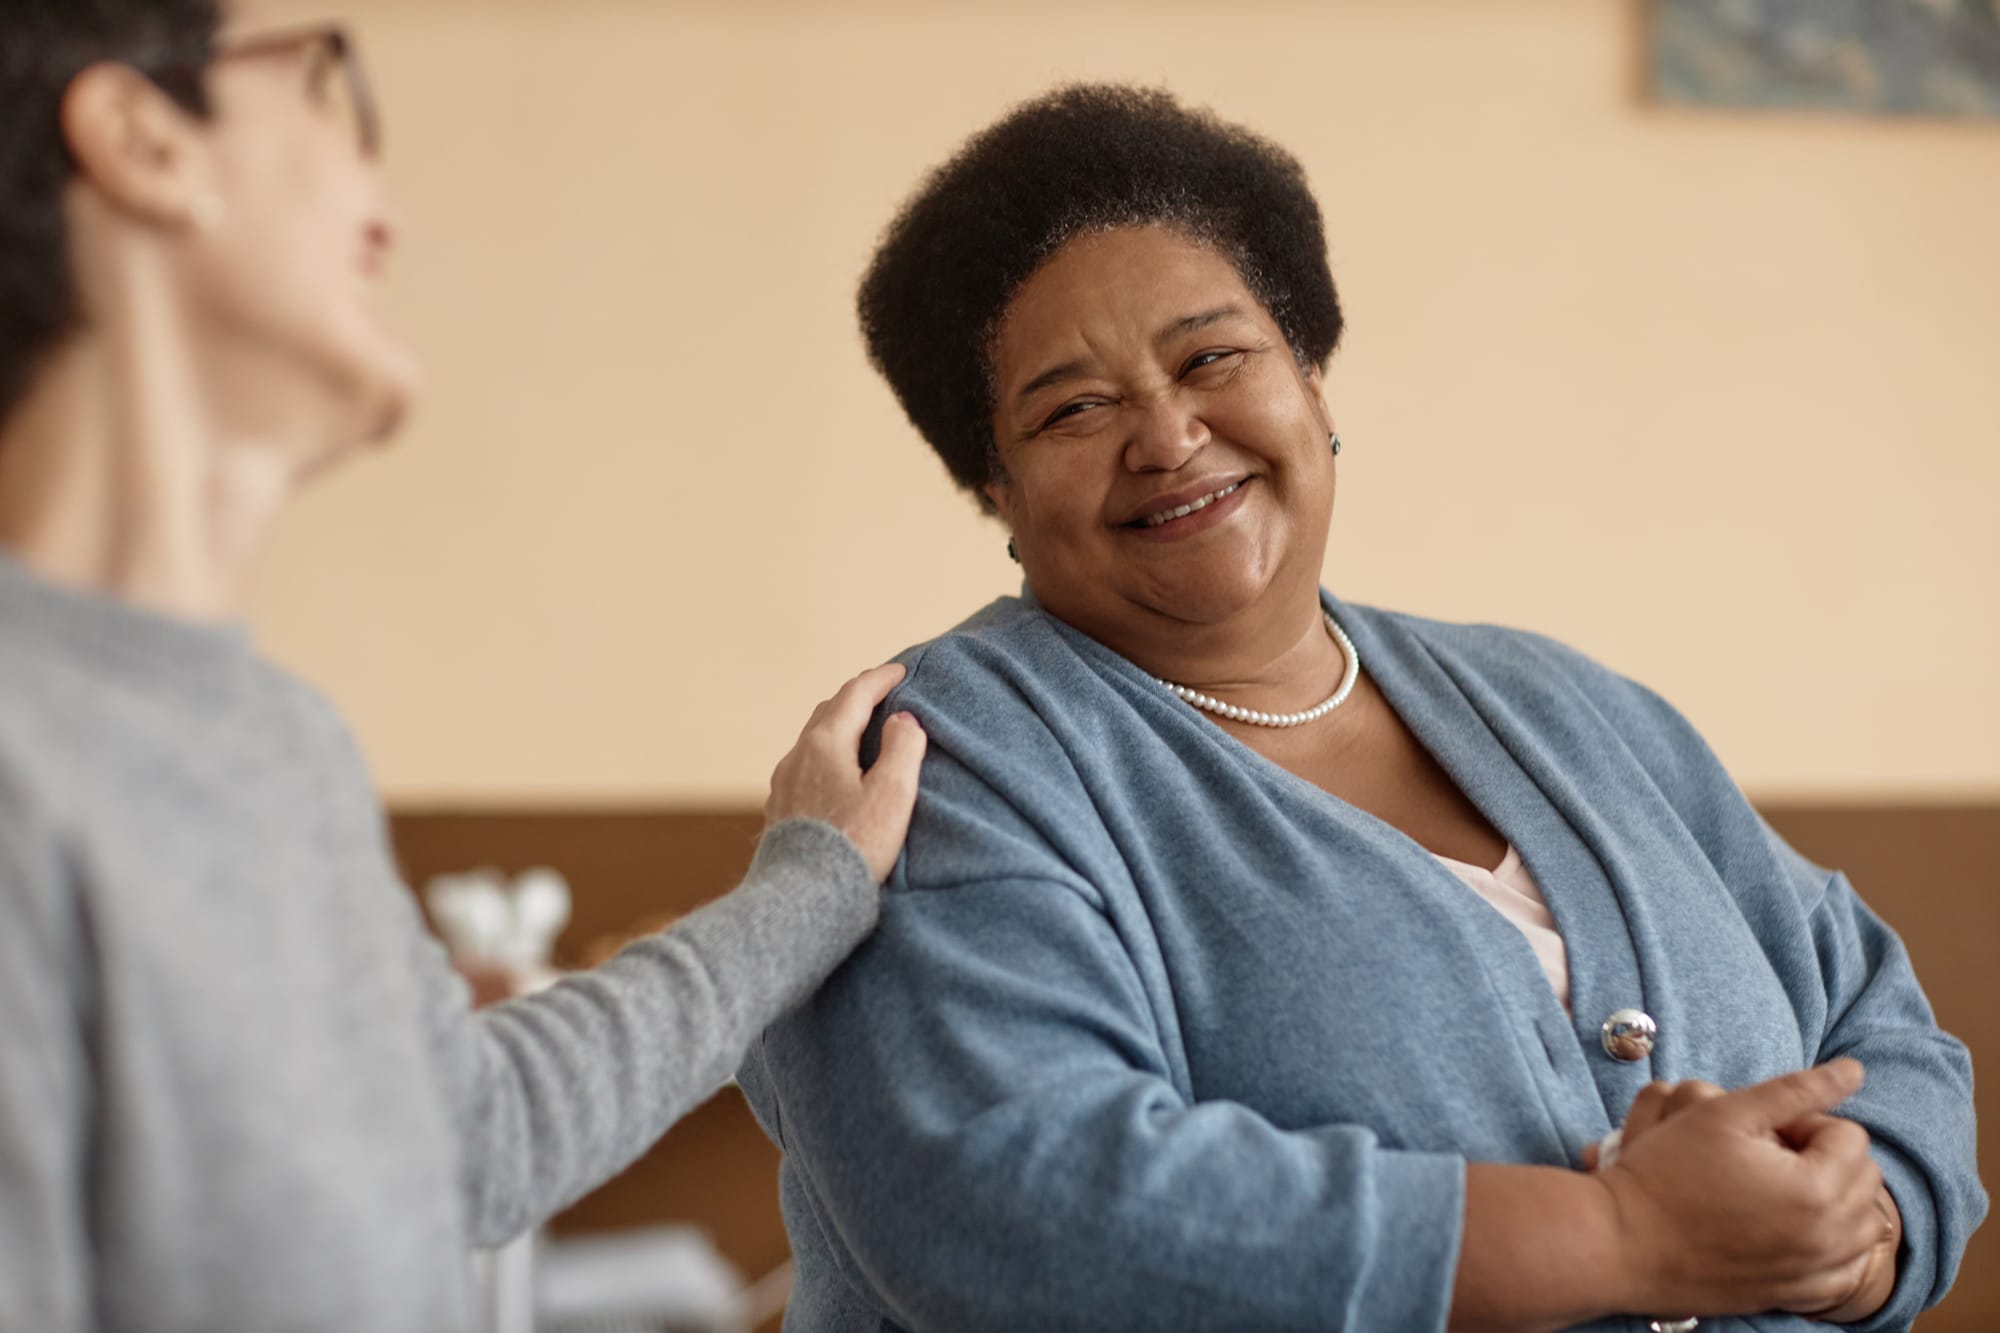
(1543, 1248)
(1878, 1280)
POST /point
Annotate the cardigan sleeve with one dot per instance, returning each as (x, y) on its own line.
(1917, 1102)
(1853, 987)
(554, 1092)
(550, 1094)
(991, 1138)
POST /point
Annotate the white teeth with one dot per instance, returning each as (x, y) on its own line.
(1169, 515)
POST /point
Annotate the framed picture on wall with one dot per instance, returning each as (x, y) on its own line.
(1886, 57)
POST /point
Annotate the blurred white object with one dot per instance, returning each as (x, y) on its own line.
(667, 1277)
(540, 910)
(488, 922)
(663, 1279)
(505, 1279)
(472, 913)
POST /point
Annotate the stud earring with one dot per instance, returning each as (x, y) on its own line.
(1334, 440)
(1012, 553)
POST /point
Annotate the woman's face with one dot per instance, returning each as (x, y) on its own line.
(286, 274)
(1137, 377)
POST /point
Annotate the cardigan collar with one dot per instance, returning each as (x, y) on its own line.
(1503, 767)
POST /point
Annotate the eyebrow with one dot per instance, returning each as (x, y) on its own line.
(1053, 375)
(1194, 322)
(1071, 369)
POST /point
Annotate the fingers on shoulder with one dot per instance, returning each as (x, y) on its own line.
(845, 715)
(891, 785)
(861, 695)
(903, 744)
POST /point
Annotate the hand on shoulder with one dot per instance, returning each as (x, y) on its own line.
(822, 778)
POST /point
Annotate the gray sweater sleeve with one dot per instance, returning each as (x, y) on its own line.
(44, 1097)
(555, 1092)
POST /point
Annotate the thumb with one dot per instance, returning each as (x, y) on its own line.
(889, 795)
(894, 774)
(1780, 1101)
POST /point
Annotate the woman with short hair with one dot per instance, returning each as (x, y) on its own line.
(239, 1087)
(1258, 960)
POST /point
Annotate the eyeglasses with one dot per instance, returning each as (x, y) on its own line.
(335, 79)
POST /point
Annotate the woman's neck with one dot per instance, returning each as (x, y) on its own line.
(1273, 656)
(115, 478)
(1290, 666)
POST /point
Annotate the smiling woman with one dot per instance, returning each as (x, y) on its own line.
(1175, 473)
(1260, 960)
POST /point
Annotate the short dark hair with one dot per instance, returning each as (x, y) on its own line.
(1081, 158)
(47, 43)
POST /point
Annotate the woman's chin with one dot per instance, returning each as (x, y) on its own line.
(373, 409)
(1216, 587)
(391, 410)
(1209, 602)
(383, 390)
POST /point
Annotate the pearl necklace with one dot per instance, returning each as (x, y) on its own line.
(1209, 704)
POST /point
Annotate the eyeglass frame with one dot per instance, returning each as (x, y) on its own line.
(334, 36)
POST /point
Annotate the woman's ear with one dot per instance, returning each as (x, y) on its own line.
(137, 148)
(1315, 380)
(1000, 497)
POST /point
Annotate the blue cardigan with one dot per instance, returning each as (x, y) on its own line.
(1155, 1035)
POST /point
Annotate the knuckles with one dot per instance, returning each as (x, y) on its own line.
(1693, 1092)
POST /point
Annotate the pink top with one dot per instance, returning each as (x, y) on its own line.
(1512, 890)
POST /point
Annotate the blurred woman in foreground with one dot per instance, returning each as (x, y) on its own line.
(239, 1087)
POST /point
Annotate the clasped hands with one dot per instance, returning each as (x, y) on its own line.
(1754, 1200)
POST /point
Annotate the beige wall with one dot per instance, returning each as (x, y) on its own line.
(1711, 395)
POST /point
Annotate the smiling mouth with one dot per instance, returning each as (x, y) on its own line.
(1166, 516)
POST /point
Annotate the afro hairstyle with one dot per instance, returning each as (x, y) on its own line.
(1081, 158)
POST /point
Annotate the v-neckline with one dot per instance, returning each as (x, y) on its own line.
(1508, 859)
(1482, 756)
(1475, 755)
(1467, 749)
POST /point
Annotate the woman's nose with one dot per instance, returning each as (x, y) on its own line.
(1164, 436)
(381, 228)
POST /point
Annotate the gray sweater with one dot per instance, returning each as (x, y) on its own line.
(239, 1087)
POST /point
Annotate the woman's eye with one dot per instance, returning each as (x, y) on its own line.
(319, 70)
(1202, 360)
(1065, 412)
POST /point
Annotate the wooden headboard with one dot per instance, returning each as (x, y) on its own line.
(1933, 872)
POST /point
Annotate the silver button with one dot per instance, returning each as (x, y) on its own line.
(1628, 1035)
